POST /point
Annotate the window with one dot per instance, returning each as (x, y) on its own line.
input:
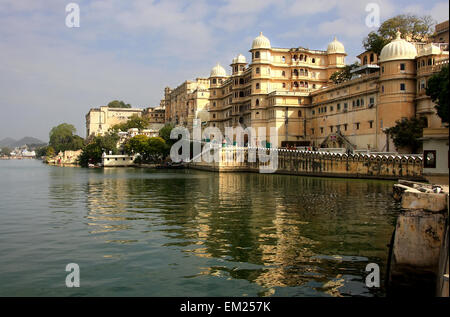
(214, 81)
(312, 131)
(283, 73)
(257, 70)
(314, 112)
(331, 128)
(313, 60)
(402, 87)
(372, 100)
(402, 66)
(338, 106)
(283, 59)
(331, 108)
(284, 85)
(257, 55)
(357, 125)
(429, 159)
(382, 89)
(257, 102)
(370, 124)
(382, 69)
(345, 126)
(257, 86)
(345, 106)
(321, 130)
(299, 113)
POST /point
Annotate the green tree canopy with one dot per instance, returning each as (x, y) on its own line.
(118, 104)
(62, 138)
(151, 150)
(134, 121)
(437, 89)
(4, 151)
(92, 152)
(406, 133)
(412, 27)
(344, 74)
(164, 133)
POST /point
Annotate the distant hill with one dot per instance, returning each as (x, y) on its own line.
(7, 142)
(11, 143)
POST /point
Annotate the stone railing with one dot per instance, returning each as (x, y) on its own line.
(319, 164)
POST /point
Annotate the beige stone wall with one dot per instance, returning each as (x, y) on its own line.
(324, 164)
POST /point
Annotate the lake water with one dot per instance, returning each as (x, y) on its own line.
(142, 232)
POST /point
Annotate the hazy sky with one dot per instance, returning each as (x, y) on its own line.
(130, 50)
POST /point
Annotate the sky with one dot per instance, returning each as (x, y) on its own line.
(131, 49)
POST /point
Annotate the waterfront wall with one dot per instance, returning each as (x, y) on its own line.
(321, 164)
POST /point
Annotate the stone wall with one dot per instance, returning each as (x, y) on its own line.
(322, 164)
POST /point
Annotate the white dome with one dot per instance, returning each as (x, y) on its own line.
(240, 59)
(336, 47)
(218, 71)
(261, 42)
(398, 49)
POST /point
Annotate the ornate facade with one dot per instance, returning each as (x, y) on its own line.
(290, 89)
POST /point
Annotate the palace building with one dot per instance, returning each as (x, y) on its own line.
(290, 89)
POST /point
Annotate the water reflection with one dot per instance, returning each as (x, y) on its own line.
(289, 235)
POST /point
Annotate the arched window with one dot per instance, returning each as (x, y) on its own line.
(283, 59)
(372, 58)
(305, 58)
(306, 72)
(295, 72)
(283, 73)
(429, 62)
(302, 84)
(313, 60)
(295, 57)
(284, 85)
(301, 57)
(306, 84)
(257, 55)
(257, 102)
(295, 84)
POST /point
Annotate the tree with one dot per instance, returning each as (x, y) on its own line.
(118, 104)
(164, 133)
(437, 89)
(92, 152)
(62, 138)
(5, 151)
(407, 132)
(150, 150)
(134, 122)
(412, 28)
(50, 151)
(344, 74)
